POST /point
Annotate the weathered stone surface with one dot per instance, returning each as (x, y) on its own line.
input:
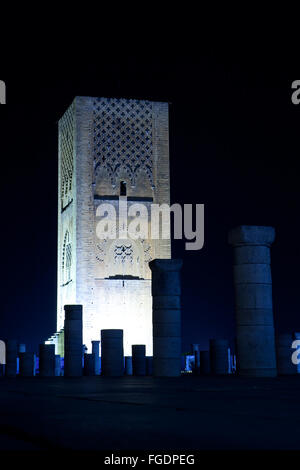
(11, 358)
(251, 235)
(138, 359)
(166, 290)
(218, 349)
(205, 363)
(27, 364)
(73, 341)
(112, 354)
(254, 306)
(94, 136)
(46, 360)
(128, 365)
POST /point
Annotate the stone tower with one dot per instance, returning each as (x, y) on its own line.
(110, 147)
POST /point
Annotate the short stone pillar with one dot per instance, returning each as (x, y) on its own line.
(166, 291)
(218, 349)
(57, 365)
(204, 362)
(284, 353)
(112, 355)
(138, 359)
(253, 292)
(196, 353)
(46, 360)
(128, 365)
(11, 358)
(89, 365)
(73, 341)
(95, 351)
(22, 348)
(149, 365)
(27, 364)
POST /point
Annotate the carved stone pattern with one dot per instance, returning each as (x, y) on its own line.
(66, 151)
(123, 138)
(66, 258)
(147, 251)
(123, 254)
(101, 250)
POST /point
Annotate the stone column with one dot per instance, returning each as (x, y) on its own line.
(22, 348)
(218, 349)
(166, 291)
(138, 359)
(128, 365)
(47, 360)
(204, 362)
(196, 353)
(73, 341)
(27, 364)
(57, 365)
(284, 353)
(95, 351)
(11, 358)
(112, 355)
(149, 365)
(89, 364)
(253, 292)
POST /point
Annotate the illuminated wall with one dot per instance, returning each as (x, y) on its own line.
(109, 147)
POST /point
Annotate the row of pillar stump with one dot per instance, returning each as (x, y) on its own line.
(255, 339)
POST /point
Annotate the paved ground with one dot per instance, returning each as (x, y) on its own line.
(94, 413)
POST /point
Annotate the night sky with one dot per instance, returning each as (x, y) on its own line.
(234, 146)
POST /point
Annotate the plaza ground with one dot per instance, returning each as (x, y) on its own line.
(190, 412)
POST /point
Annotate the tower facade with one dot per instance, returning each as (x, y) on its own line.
(110, 149)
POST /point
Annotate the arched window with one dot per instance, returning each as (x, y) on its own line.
(66, 259)
(123, 188)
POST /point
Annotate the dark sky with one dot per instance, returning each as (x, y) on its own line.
(234, 146)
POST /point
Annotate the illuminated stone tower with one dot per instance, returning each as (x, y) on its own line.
(110, 147)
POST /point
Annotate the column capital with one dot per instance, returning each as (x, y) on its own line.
(165, 264)
(251, 235)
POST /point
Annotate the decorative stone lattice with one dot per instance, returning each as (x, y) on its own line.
(66, 153)
(147, 251)
(123, 254)
(123, 138)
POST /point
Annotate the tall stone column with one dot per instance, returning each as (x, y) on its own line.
(166, 291)
(253, 292)
(73, 341)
